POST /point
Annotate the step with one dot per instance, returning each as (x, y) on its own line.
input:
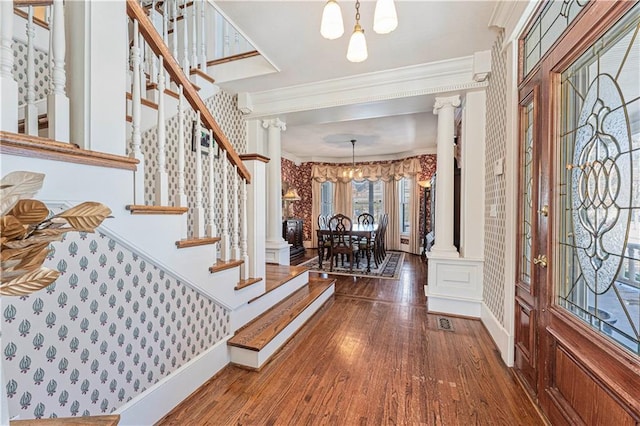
(194, 242)
(278, 275)
(142, 209)
(255, 343)
(221, 265)
(246, 283)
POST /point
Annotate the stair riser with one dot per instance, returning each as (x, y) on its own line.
(256, 359)
(244, 314)
(223, 285)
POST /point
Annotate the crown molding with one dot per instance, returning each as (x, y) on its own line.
(360, 159)
(453, 75)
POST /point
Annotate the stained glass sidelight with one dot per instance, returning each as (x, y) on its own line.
(555, 17)
(599, 181)
(526, 188)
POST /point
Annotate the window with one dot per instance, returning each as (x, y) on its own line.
(367, 198)
(326, 199)
(405, 195)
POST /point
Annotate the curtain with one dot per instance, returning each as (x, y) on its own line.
(343, 198)
(371, 172)
(316, 205)
(414, 215)
(391, 207)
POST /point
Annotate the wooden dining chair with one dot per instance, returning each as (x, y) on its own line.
(341, 242)
(379, 248)
(365, 244)
(324, 241)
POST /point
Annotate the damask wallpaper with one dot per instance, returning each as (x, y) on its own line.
(110, 327)
(300, 178)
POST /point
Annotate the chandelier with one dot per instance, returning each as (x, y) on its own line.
(385, 20)
(352, 171)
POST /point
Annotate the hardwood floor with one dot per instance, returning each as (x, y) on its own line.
(371, 356)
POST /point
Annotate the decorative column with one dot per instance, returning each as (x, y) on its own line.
(277, 247)
(8, 86)
(444, 108)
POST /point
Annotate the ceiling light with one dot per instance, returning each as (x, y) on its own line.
(357, 51)
(352, 171)
(385, 18)
(331, 26)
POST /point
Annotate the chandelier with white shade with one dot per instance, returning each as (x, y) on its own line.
(385, 20)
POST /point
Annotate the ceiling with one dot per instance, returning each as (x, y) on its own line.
(287, 34)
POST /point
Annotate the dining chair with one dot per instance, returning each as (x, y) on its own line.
(380, 244)
(341, 242)
(324, 241)
(367, 244)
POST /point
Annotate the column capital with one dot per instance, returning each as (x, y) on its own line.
(449, 101)
(274, 123)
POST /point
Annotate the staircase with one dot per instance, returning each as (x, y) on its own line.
(186, 213)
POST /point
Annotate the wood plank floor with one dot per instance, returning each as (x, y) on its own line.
(372, 356)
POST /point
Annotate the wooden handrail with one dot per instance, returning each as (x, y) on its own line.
(151, 36)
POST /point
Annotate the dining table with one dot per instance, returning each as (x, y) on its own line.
(366, 232)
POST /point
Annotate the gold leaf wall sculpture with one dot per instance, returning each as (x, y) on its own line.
(26, 230)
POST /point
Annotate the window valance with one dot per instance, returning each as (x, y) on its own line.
(372, 172)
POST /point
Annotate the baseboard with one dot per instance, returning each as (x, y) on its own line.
(466, 307)
(499, 334)
(157, 401)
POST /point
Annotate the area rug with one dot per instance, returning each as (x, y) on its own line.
(389, 268)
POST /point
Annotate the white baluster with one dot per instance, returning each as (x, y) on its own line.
(8, 86)
(31, 111)
(194, 33)
(211, 227)
(162, 180)
(143, 64)
(198, 219)
(185, 39)
(181, 197)
(174, 47)
(225, 253)
(165, 30)
(136, 139)
(244, 270)
(203, 36)
(226, 51)
(236, 217)
(57, 101)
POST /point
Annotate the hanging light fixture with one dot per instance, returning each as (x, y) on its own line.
(357, 51)
(385, 18)
(331, 26)
(352, 171)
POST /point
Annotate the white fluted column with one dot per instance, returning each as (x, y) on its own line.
(444, 108)
(277, 247)
(8, 86)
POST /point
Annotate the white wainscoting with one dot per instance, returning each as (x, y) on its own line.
(455, 286)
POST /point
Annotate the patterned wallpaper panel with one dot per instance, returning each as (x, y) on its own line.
(494, 278)
(110, 327)
(223, 107)
(300, 178)
(20, 71)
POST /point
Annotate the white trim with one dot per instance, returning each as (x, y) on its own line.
(462, 306)
(500, 336)
(157, 401)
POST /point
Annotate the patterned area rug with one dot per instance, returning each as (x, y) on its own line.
(389, 268)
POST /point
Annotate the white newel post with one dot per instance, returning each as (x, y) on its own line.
(445, 109)
(57, 100)
(136, 116)
(31, 111)
(235, 250)
(277, 247)
(244, 270)
(8, 86)
(225, 251)
(211, 227)
(162, 180)
(198, 211)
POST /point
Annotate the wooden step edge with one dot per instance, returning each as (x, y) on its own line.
(142, 209)
(143, 101)
(279, 316)
(232, 58)
(199, 72)
(195, 86)
(194, 242)
(299, 270)
(36, 147)
(246, 283)
(221, 265)
(167, 91)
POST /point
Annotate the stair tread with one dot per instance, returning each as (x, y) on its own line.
(142, 209)
(246, 283)
(221, 265)
(277, 275)
(193, 242)
(262, 330)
